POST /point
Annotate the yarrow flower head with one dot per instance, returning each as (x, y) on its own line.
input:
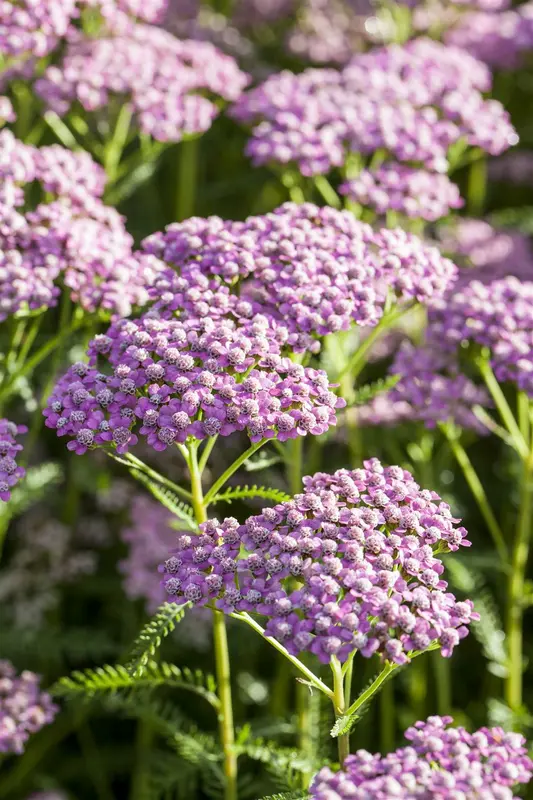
(431, 389)
(314, 270)
(414, 101)
(24, 708)
(439, 762)
(167, 82)
(10, 473)
(363, 548)
(497, 316)
(165, 381)
(501, 40)
(414, 193)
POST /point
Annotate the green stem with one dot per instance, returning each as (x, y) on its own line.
(290, 182)
(441, 668)
(115, 146)
(206, 452)
(365, 696)
(386, 714)
(132, 461)
(477, 187)
(307, 673)
(219, 483)
(358, 361)
(516, 587)
(476, 487)
(36, 359)
(327, 191)
(186, 178)
(503, 406)
(139, 781)
(94, 765)
(294, 465)
(225, 715)
(339, 705)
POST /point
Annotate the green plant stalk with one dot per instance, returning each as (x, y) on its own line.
(187, 178)
(145, 736)
(219, 483)
(356, 364)
(206, 452)
(94, 765)
(295, 190)
(477, 187)
(306, 672)
(503, 407)
(478, 492)
(132, 461)
(363, 698)
(339, 705)
(327, 191)
(387, 718)
(515, 589)
(115, 147)
(222, 662)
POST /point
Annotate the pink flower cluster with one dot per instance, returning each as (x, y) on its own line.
(167, 380)
(75, 235)
(414, 193)
(440, 762)
(10, 473)
(413, 101)
(363, 546)
(168, 82)
(24, 709)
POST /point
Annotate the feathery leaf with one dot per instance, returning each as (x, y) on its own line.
(168, 499)
(149, 640)
(368, 392)
(250, 492)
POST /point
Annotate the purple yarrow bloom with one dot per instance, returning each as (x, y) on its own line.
(497, 316)
(10, 473)
(414, 193)
(431, 389)
(501, 40)
(212, 378)
(363, 545)
(439, 762)
(167, 81)
(310, 271)
(24, 708)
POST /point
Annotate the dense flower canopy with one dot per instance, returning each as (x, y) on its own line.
(362, 546)
(315, 270)
(166, 380)
(168, 82)
(439, 763)
(24, 709)
(413, 101)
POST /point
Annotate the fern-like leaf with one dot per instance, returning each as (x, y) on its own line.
(371, 390)
(286, 764)
(251, 492)
(149, 640)
(111, 679)
(347, 723)
(297, 795)
(168, 499)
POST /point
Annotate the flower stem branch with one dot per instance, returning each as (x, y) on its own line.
(132, 462)
(308, 674)
(503, 406)
(355, 365)
(219, 483)
(222, 662)
(186, 178)
(115, 146)
(476, 487)
(339, 705)
(365, 696)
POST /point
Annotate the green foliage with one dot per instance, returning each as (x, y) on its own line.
(298, 795)
(369, 391)
(347, 723)
(261, 461)
(517, 218)
(149, 640)
(285, 764)
(251, 492)
(110, 679)
(167, 498)
(52, 644)
(32, 489)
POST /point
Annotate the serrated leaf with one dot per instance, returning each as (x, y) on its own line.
(286, 764)
(111, 679)
(149, 640)
(346, 723)
(251, 492)
(261, 461)
(168, 499)
(297, 795)
(369, 391)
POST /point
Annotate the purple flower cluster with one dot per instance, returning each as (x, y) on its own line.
(75, 235)
(314, 270)
(362, 546)
(414, 101)
(167, 380)
(330, 31)
(168, 82)
(513, 167)
(440, 762)
(499, 39)
(24, 709)
(10, 474)
(498, 316)
(149, 537)
(431, 389)
(34, 27)
(489, 253)
(415, 193)
(7, 112)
